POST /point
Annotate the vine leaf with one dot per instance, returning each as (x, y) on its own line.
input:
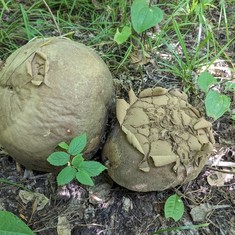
(216, 104)
(144, 17)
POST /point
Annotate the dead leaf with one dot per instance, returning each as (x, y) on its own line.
(216, 179)
(40, 199)
(200, 213)
(139, 57)
(63, 226)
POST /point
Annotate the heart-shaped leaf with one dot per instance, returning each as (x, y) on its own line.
(216, 104)
(174, 207)
(121, 37)
(205, 80)
(144, 17)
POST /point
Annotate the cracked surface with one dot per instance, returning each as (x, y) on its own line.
(165, 133)
(38, 68)
(52, 90)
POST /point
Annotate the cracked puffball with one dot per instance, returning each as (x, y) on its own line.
(160, 141)
(52, 90)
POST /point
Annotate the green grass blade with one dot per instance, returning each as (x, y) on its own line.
(181, 41)
(223, 10)
(222, 50)
(188, 227)
(126, 56)
(72, 8)
(26, 21)
(197, 58)
(5, 181)
(5, 5)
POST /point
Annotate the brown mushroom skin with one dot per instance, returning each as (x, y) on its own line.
(123, 168)
(160, 141)
(52, 90)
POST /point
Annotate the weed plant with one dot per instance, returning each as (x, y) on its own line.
(189, 32)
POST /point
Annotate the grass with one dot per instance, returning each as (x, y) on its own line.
(187, 34)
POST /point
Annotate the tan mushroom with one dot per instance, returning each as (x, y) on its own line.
(51, 90)
(160, 141)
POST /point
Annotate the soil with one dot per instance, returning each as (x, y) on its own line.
(109, 209)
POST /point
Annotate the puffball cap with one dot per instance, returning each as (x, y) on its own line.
(159, 142)
(51, 90)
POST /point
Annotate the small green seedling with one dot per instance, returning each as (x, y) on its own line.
(216, 103)
(75, 165)
(143, 17)
(121, 37)
(174, 208)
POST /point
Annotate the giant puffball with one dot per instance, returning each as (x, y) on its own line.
(160, 141)
(52, 90)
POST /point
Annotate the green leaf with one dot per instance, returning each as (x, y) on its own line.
(77, 160)
(205, 80)
(92, 168)
(63, 145)
(144, 17)
(174, 207)
(66, 175)
(121, 37)
(84, 178)
(58, 158)
(216, 104)
(12, 225)
(77, 144)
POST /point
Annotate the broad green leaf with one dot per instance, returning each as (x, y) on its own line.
(77, 144)
(205, 80)
(63, 145)
(58, 158)
(174, 207)
(77, 160)
(84, 178)
(121, 37)
(92, 168)
(144, 17)
(216, 104)
(12, 225)
(66, 175)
